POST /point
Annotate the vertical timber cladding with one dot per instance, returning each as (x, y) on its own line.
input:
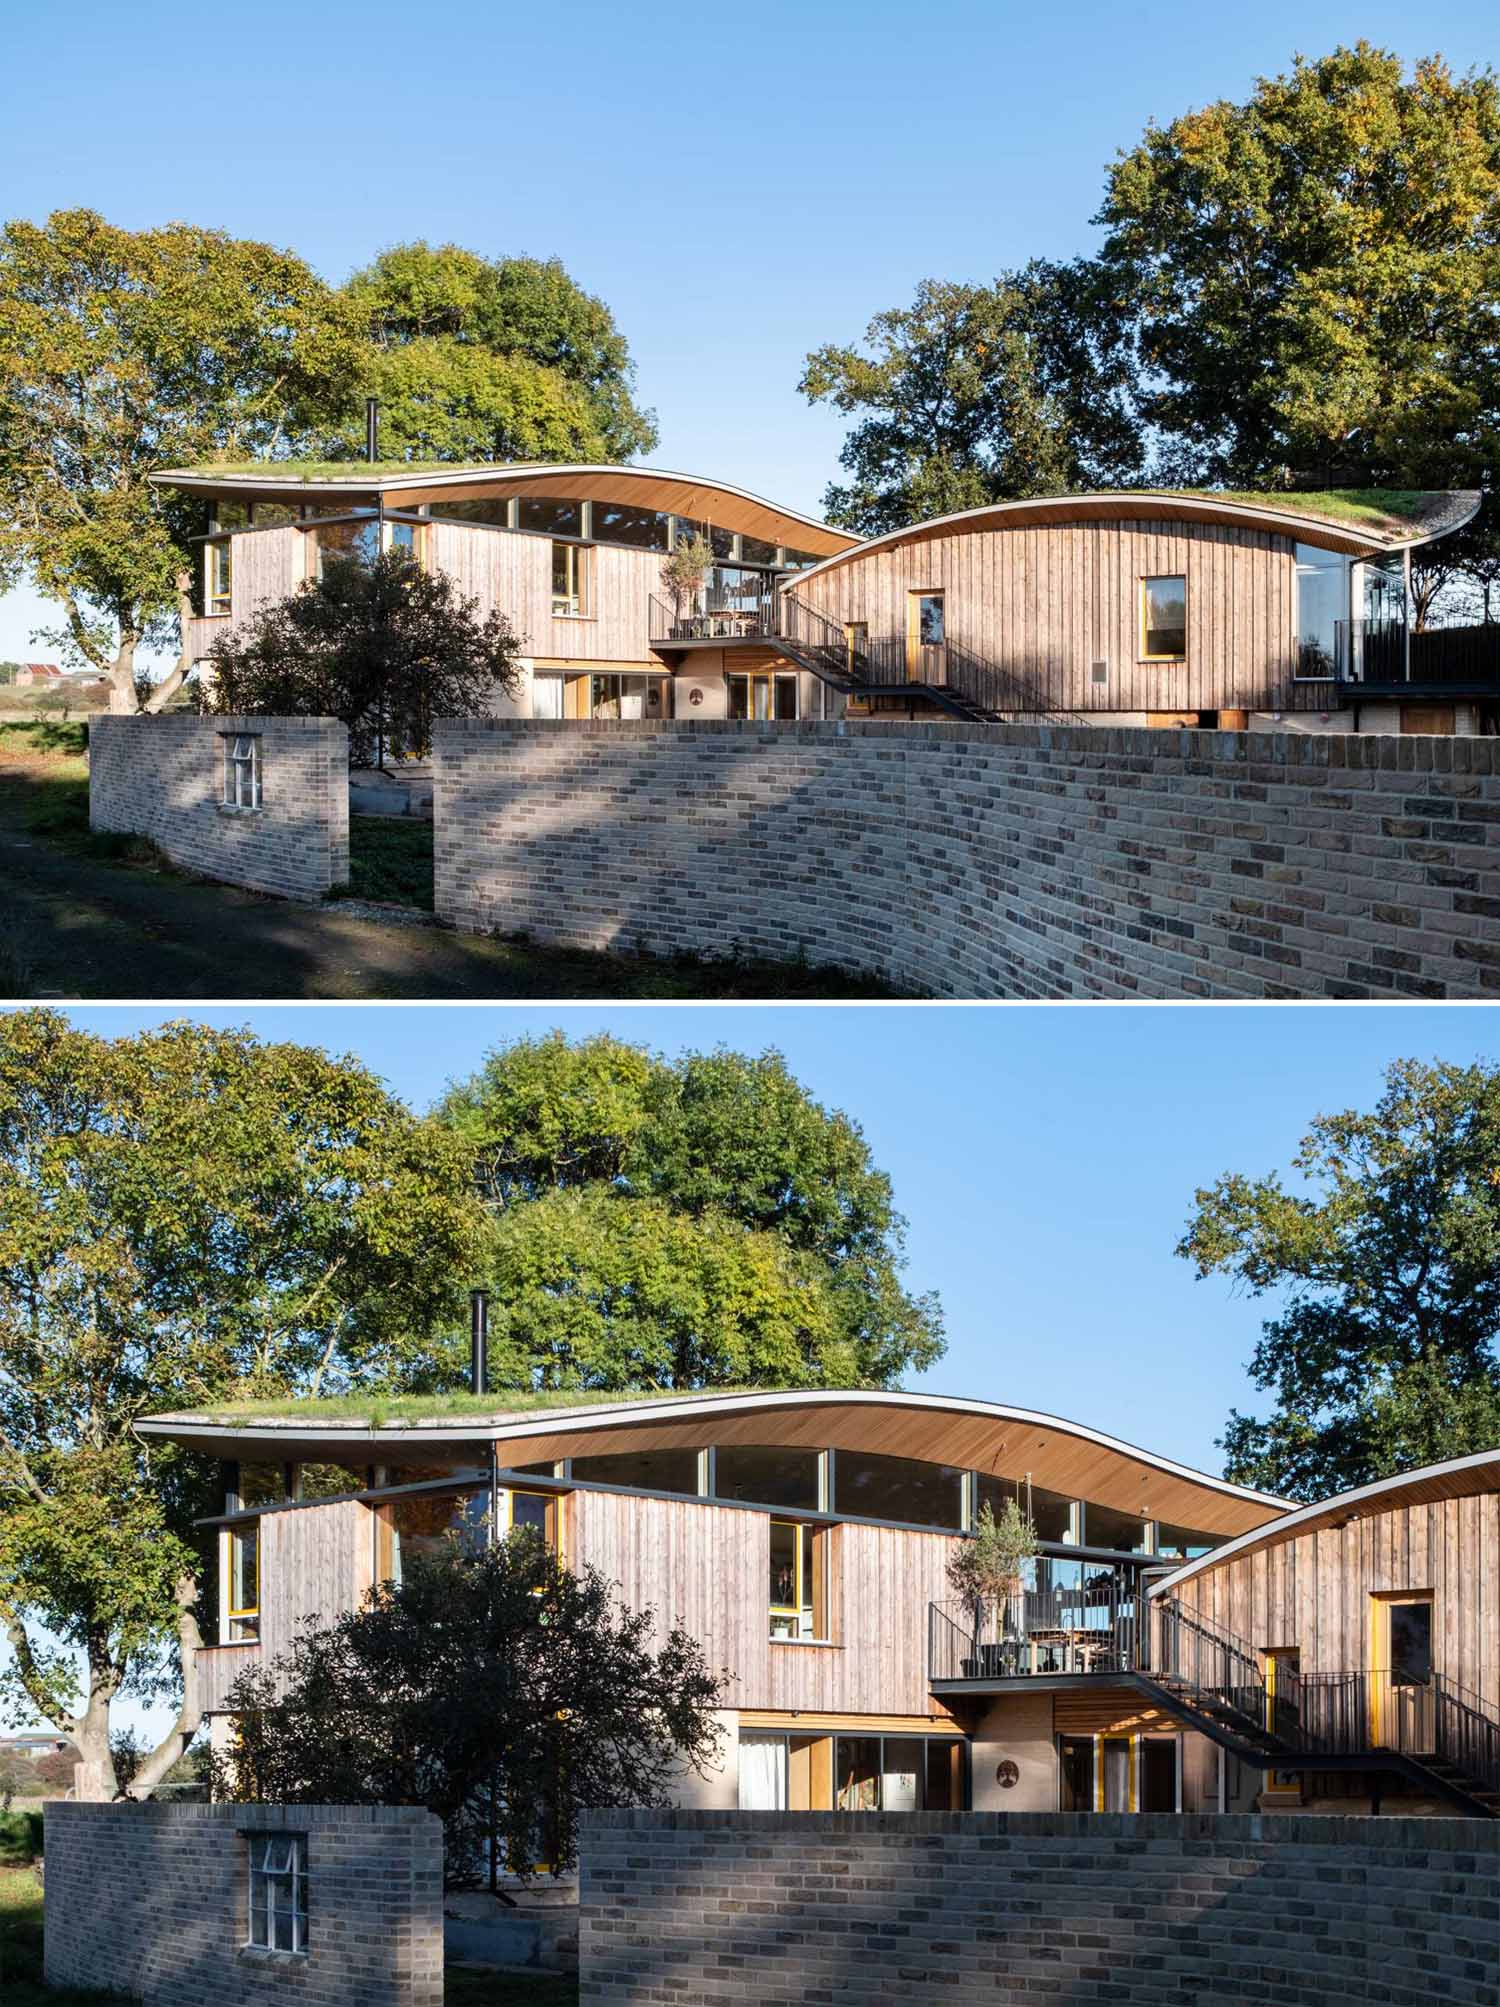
(316, 1561)
(1037, 605)
(512, 571)
(707, 1568)
(1313, 1592)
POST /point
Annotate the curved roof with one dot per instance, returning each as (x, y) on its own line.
(1286, 515)
(989, 1436)
(402, 485)
(1462, 1477)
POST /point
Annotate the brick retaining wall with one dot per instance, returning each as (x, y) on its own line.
(776, 1909)
(989, 860)
(164, 778)
(150, 1900)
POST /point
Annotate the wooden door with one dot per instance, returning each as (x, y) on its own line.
(1401, 1667)
(926, 638)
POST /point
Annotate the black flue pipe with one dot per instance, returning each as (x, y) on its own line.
(479, 1341)
(372, 429)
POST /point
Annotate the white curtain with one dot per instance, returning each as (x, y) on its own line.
(762, 1773)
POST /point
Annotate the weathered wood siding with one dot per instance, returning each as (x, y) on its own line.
(1029, 610)
(1313, 1592)
(268, 565)
(218, 1669)
(707, 1569)
(513, 572)
(315, 1562)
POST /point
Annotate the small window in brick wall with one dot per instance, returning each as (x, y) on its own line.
(278, 1891)
(242, 770)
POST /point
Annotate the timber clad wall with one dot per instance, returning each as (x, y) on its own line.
(775, 1909)
(707, 1568)
(1313, 1592)
(514, 573)
(1029, 612)
(989, 860)
(163, 778)
(151, 1901)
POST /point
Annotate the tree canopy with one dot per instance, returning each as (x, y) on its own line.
(500, 1690)
(1312, 275)
(185, 1214)
(123, 352)
(476, 358)
(383, 644)
(692, 1223)
(1386, 1257)
(977, 394)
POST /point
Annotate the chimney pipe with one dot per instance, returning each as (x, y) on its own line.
(479, 1341)
(372, 429)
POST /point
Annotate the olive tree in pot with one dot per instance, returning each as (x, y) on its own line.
(684, 572)
(988, 1569)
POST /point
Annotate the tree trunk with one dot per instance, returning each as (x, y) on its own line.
(94, 1774)
(154, 1767)
(122, 701)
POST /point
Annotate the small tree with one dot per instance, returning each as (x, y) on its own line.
(988, 1569)
(501, 1691)
(685, 570)
(383, 645)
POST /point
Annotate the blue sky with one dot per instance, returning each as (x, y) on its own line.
(739, 188)
(1045, 1157)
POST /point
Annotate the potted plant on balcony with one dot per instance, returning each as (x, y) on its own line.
(683, 574)
(988, 1569)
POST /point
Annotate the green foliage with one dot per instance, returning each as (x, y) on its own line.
(20, 1838)
(986, 1568)
(390, 858)
(685, 570)
(1312, 274)
(1388, 1263)
(501, 1691)
(191, 343)
(976, 394)
(184, 1213)
(386, 646)
(492, 359)
(696, 1223)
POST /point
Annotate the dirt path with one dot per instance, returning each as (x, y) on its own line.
(72, 926)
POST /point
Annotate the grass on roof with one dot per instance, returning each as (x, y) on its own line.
(1376, 506)
(347, 470)
(398, 1410)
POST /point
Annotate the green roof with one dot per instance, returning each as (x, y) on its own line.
(376, 1411)
(343, 470)
(1379, 507)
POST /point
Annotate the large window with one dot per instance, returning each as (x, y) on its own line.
(799, 1580)
(764, 697)
(358, 540)
(898, 1773)
(533, 1510)
(327, 1480)
(642, 1470)
(547, 696)
(1123, 1532)
(1164, 618)
(567, 578)
(619, 523)
(490, 513)
(1322, 602)
(754, 551)
(618, 696)
(768, 1476)
(244, 1583)
(897, 1487)
(260, 1484)
(277, 1905)
(218, 577)
(547, 514)
(1051, 1513)
(438, 1523)
(1181, 1543)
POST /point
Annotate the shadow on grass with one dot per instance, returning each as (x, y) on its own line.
(390, 858)
(468, 1986)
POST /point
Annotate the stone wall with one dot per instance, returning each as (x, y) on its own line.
(989, 860)
(164, 778)
(151, 1901)
(775, 1909)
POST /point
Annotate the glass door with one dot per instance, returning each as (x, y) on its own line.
(926, 638)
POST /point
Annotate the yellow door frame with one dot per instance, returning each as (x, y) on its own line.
(1381, 1601)
(1132, 1771)
(914, 643)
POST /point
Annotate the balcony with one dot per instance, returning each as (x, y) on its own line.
(1383, 659)
(732, 604)
(1075, 1618)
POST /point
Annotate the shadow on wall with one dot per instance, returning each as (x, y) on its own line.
(988, 861)
(990, 1910)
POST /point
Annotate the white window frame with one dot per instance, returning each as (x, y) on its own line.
(244, 772)
(277, 1869)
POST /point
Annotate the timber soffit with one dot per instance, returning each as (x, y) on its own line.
(1445, 512)
(302, 1438)
(1461, 1477)
(680, 494)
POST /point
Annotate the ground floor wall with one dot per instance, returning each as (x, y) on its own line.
(153, 1901)
(776, 1909)
(991, 860)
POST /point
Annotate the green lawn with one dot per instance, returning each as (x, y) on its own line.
(21, 1964)
(390, 857)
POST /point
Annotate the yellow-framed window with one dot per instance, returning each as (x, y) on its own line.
(1164, 617)
(536, 1509)
(798, 1590)
(569, 571)
(242, 1561)
(764, 695)
(218, 577)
